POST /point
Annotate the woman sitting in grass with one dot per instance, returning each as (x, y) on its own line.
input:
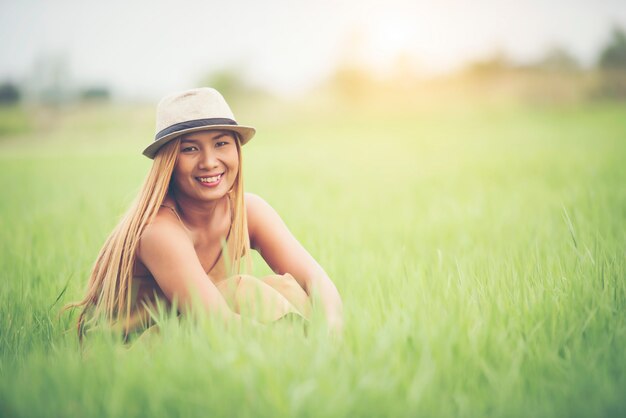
(192, 226)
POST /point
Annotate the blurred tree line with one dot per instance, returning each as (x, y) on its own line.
(613, 56)
(613, 64)
(233, 84)
(555, 77)
(11, 94)
(50, 83)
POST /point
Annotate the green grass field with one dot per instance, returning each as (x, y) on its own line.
(479, 249)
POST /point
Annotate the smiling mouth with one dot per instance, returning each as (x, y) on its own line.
(210, 180)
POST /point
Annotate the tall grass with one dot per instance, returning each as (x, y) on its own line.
(479, 251)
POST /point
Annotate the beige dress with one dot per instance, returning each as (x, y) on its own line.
(264, 299)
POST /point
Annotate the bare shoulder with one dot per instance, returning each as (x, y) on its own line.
(254, 204)
(257, 208)
(164, 231)
(263, 220)
(253, 200)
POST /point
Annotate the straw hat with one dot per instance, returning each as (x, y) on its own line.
(190, 111)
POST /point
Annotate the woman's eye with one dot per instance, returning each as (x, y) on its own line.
(189, 149)
(221, 143)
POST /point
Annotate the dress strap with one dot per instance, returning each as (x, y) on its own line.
(175, 213)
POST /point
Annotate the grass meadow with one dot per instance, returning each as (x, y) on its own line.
(479, 250)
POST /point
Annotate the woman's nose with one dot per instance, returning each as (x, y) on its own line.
(208, 160)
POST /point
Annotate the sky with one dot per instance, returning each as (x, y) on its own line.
(148, 48)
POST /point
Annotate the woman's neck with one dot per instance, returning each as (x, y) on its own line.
(200, 214)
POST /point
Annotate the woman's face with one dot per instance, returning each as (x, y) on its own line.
(207, 165)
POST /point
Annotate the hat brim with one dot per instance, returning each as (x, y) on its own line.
(245, 134)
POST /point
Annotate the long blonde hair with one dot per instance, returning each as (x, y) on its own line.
(110, 283)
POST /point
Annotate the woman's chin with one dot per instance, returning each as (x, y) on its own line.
(213, 194)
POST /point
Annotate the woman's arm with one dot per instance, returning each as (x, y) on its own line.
(168, 252)
(284, 254)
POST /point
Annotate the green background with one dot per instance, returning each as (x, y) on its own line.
(479, 250)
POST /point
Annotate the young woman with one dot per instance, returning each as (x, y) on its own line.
(192, 227)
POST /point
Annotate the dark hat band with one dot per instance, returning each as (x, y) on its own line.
(190, 124)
